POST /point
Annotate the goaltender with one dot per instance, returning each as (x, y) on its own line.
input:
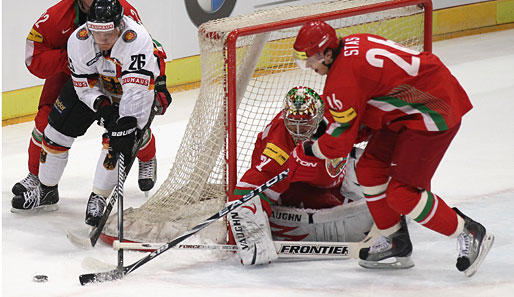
(327, 208)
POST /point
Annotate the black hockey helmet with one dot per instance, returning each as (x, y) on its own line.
(104, 15)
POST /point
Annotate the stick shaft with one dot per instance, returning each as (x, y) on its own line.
(106, 276)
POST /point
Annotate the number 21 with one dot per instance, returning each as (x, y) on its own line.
(372, 56)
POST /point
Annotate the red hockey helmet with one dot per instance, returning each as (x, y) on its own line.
(314, 37)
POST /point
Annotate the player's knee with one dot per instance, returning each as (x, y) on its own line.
(371, 171)
(41, 119)
(401, 197)
(54, 137)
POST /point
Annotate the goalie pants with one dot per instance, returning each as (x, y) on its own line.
(51, 89)
(68, 119)
(395, 172)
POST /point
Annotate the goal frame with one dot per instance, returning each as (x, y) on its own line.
(231, 75)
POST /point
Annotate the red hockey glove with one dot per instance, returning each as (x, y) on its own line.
(301, 166)
(162, 95)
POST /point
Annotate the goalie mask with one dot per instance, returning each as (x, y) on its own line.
(302, 112)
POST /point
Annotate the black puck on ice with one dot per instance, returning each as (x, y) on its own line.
(40, 278)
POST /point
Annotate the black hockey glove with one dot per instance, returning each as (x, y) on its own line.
(162, 95)
(106, 113)
(122, 136)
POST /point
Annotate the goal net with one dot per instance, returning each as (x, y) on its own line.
(247, 68)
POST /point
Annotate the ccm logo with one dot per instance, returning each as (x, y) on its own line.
(122, 133)
(303, 162)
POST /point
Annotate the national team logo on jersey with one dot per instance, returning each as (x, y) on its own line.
(82, 34)
(335, 166)
(129, 36)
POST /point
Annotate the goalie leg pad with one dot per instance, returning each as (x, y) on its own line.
(344, 223)
(250, 227)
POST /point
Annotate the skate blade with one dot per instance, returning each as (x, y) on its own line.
(44, 208)
(389, 263)
(484, 250)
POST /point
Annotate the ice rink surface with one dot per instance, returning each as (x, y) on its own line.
(476, 175)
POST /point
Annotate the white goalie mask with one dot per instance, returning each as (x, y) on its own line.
(302, 112)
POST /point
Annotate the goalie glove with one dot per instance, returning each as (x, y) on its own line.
(302, 167)
(250, 227)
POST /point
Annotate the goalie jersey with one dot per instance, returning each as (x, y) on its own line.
(269, 158)
(126, 73)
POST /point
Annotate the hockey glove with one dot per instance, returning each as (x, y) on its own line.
(162, 95)
(106, 113)
(302, 167)
(122, 136)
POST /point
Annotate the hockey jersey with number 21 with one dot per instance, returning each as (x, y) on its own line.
(380, 83)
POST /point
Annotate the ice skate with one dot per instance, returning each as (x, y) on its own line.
(147, 175)
(28, 183)
(39, 198)
(392, 252)
(95, 209)
(473, 245)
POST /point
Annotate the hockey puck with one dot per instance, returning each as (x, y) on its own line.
(40, 278)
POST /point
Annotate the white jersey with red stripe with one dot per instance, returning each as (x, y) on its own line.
(126, 74)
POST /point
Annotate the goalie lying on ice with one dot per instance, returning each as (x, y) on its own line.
(327, 208)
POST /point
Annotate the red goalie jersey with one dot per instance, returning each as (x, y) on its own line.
(377, 82)
(270, 157)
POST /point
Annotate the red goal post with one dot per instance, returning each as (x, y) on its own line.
(252, 30)
(247, 68)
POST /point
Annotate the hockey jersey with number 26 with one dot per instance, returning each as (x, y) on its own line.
(126, 74)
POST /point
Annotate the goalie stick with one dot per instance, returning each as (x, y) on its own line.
(90, 241)
(122, 271)
(287, 250)
(314, 250)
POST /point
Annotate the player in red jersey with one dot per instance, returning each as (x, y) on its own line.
(414, 106)
(283, 206)
(46, 57)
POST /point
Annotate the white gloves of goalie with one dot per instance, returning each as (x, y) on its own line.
(251, 230)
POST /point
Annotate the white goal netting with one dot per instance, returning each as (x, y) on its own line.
(198, 181)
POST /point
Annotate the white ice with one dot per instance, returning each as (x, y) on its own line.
(476, 175)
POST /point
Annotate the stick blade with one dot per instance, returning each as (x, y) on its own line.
(100, 277)
(78, 241)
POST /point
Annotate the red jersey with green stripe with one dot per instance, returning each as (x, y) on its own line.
(269, 158)
(379, 83)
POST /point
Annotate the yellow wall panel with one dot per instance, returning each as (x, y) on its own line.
(465, 17)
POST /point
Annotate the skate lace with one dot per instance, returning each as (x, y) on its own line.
(32, 198)
(381, 244)
(464, 244)
(95, 205)
(146, 169)
(31, 181)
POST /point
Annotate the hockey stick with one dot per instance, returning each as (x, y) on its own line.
(122, 175)
(94, 234)
(314, 250)
(117, 273)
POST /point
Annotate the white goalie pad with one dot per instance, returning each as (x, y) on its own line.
(251, 230)
(350, 187)
(344, 223)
